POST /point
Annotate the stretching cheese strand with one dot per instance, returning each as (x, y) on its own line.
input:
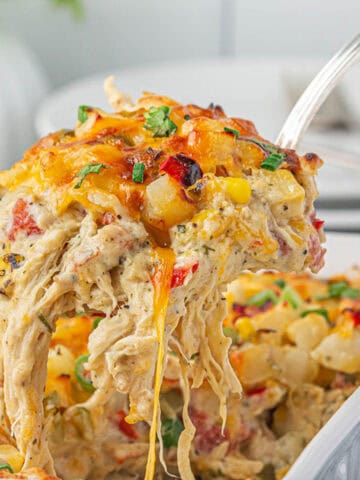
(161, 282)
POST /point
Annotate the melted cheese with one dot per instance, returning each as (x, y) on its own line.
(161, 282)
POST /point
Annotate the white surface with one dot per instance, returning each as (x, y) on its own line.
(113, 33)
(343, 252)
(294, 27)
(244, 87)
(119, 33)
(22, 86)
(347, 219)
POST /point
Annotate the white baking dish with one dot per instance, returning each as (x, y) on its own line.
(334, 453)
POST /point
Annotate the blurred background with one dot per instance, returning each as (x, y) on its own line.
(254, 58)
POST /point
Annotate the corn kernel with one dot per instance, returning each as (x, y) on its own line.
(238, 189)
(60, 361)
(12, 456)
(244, 327)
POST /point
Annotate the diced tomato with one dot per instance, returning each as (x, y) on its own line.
(256, 243)
(343, 380)
(22, 221)
(183, 169)
(210, 439)
(106, 218)
(284, 247)
(356, 318)
(317, 223)
(124, 427)
(208, 435)
(250, 310)
(316, 251)
(180, 273)
(256, 391)
(354, 314)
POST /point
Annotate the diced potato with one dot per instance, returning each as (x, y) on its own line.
(165, 203)
(60, 361)
(302, 412)
(274, 319)
(339, 352)
(294, 366)
(308, 332)
(12, 456)
(285, 194)
(253, 365)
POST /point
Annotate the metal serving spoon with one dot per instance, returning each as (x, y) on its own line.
(316, 93)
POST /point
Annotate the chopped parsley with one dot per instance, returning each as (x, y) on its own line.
(159, 121)
(233, 131)
(274, 157)
(83, 113)
(319, 311)
(81, 374)
(273, 161)
(291, 296)
(337, 289)
(280, 282)
(171, 430)
(231, 333)
(45, 323)
(6, 466)
(138, 172)
(96, 322)
(187, 117)
(340, 290)
(352, 293)
(259, 299)
(87, 169)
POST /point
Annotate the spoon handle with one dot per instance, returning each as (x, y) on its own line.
(316, 93)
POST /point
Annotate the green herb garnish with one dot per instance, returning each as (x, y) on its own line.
(138, 172)
(352, 293)
(291, 296)
(45, 323)
(159, 122)
(187, 117)
(273, 161)
(319, 311)
(233, 131)
(280, 282)
(83, 113)
(259, 299)
(96, 322)
(171, 430)
(90, 168)
(231, 333)
(274, 157)
(337, 289)
(80, 374)
(6, 466)
(340, 290)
